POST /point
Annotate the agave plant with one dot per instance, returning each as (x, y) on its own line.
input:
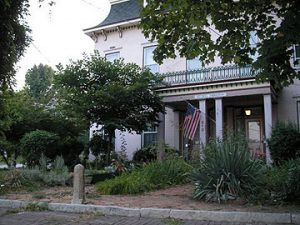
(227, 171)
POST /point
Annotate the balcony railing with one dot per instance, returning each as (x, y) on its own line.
(221, 73)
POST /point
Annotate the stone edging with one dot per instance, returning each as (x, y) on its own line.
(254, 217)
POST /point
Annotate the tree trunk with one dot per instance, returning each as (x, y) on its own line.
(160, 152)
(109, 146)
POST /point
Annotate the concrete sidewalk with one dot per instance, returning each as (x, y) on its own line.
(157, 214)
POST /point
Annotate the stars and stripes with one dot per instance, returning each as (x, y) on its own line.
(191, 122)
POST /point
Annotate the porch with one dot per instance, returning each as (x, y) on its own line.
(230, 100)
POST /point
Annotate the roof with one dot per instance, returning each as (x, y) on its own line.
(121, 12)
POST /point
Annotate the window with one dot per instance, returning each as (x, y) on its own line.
(149, 61)
(298, 114)
(112, 56)
(254, 40)
(297, 53)
(149, 136)
(193, 64)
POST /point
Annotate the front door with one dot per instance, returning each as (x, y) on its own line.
(254, 134)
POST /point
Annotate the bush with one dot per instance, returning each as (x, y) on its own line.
(227, 172)
(36, 143)
(153, 176)
(34, 178)
(149, 153)
(283, 182)
(284, 143)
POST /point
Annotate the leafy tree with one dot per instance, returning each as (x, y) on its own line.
(36, 143)
(112, 94)
(22, 115)
(38, 79)
(14, 39)
(187, 26)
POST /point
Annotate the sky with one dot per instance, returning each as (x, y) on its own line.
(57, 32)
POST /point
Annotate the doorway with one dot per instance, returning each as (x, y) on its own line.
(254, 135)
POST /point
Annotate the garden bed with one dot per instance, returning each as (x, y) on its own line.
(177, 197)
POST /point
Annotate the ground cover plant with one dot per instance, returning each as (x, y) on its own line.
(153, 176)
(227, 172)
(32, 179)
(282, 183)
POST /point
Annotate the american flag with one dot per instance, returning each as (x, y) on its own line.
(191, 122)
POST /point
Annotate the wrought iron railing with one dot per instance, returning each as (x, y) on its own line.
(221, 73)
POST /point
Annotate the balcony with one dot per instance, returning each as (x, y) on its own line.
(206, 75)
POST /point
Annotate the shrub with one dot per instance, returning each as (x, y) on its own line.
(227, 172)
(149, 153)
(283, 182)
(155, 175)
(36, 143)
(284, 143)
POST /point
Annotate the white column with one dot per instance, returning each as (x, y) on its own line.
(161, 128)
(219, 118)
(176, 130)
(161, 137)
(268, 123)
(203, 122)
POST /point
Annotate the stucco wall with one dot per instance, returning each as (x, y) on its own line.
(131, 45)
(287, 102)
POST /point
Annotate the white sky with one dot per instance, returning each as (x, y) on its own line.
(57, 32)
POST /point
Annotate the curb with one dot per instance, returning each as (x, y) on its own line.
(253, 217)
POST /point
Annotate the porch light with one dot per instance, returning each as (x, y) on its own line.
(248, 112)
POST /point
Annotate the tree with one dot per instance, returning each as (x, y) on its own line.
(21, 115)
(187, 26)
(14, 39)
(38, 80)
(114, 95)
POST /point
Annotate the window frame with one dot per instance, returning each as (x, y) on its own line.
(144, 55)
(148, 132)
(112, 53)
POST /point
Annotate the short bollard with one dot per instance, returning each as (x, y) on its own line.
(78, 185)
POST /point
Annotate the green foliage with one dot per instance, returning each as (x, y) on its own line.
(227, 172)
(153, 176)
(149, 153)
(284, 143)
(35, 178)
(14, 37)
(172, 221)
(146, 154)
(207, 29)
(112, 94)
(37, 142)
(283, 183)
(38, 79)
(36, 207)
